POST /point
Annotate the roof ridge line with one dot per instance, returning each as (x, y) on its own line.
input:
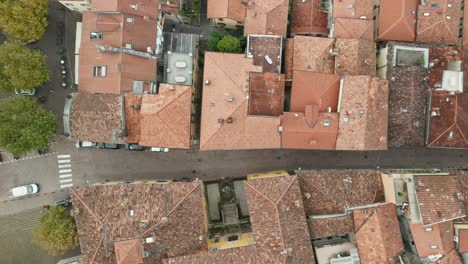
(368, 218)
(287, 189)
(97, 249)
(461, 133)
(256, 190)
(87, 207)
(172, 210)
(315, 187)
(441, 134)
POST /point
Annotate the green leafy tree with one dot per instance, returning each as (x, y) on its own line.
(213, 40)
(56, 231)
(21, 68)
(229, 44)
(24, 20)
(24, 126)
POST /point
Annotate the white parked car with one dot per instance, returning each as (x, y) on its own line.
(25, 92)
(24, 190)
(159, 149)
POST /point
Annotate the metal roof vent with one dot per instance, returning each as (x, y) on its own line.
(448, 17)
(229, 120)
(269, 90)
(171, 88)
(230, 98)
(132, 212)
(326, 123)
(207, 82)
(426, 14)
(221, 120)
(451, 134)
(268, 59)
(329, 109)
(136, 107)
(363, 17)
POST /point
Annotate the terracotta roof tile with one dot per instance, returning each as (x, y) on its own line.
(97, 118)
(452, 257)
(166, 117)
(121, 68)
(440, 56)
(439, 235)
(144, 7)
(274, 203)
(363, 114)
(332, 226)
(355, 57)
(353, 9)
(266, 17)
(132, 117)
(129, 252)
(448, 128)
(103, 217)
(225, 98)
(378, 234)
(407, 106)
(331, 191)
(442, 24)
(314, 88)
(266, 94)
(261, 47)
(463, 240)
(313, 54)
(397, 20)
(309, 130)
(289, 58)
(349, 28)
(438, 200)
(231, 9)
(307, 18)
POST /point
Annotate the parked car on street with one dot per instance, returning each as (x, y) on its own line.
(159, 149)
(85, 144)
(24, 190)
(107, 146)
(135, 147)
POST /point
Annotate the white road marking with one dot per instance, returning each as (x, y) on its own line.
(64, 161)
(65, 171)
(62, 166)
(65, 180)
(65, 176)
(63, 156)
(66, 185)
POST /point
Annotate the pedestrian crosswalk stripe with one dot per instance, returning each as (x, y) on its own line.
(65, 176)
(65, 180)
(63, 156)
(64, 161)
(65, 171)
(66, 185)
(64, 166)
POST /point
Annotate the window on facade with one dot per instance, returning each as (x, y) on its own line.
(95, 35)
(129, 19)
(100, 71)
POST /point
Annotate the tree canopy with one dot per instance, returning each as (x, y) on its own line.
(21, 68)
(215, 37)
(229, 44)
(24, 126)
(24, 20)
(56, 231)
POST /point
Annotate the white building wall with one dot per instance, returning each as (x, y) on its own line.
(77, 5)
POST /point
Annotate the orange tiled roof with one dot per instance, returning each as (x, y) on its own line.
(355, 57)
(160, 120)
(266, 17)
(307, 18)
(349, 28)
(313, 54)
(225, 123)
(439, 235)
(442, 24)
(314, 88)
(274, 204)
(450, 127)
(309, 130)
(231, 9)
(122, 68)
(144, 7)
(438, 200)
(129, 252)
(378, 235)
(172, 213)
(397, 20)
(363, 114)
(353, 9)
(266, 94)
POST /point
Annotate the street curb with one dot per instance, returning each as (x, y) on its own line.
(28, 158)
